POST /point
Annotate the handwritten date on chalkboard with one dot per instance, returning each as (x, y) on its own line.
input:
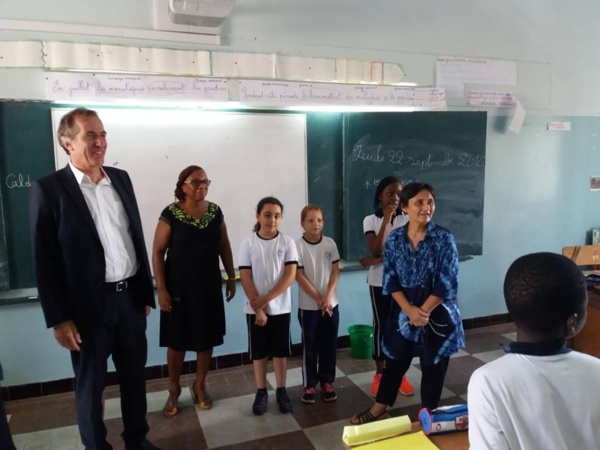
(379, 153)
(17, 180)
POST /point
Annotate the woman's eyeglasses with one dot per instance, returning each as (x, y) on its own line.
(196, 182)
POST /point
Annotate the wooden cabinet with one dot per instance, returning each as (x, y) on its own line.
(588, 339)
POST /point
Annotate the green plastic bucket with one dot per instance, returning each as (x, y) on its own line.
(361, 338)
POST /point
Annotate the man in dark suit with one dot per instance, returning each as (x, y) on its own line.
(6, 442)
(93, 276)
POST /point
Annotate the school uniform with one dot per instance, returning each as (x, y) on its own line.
(319, 331)
(267, 258)
(539, 396)
(380, 302)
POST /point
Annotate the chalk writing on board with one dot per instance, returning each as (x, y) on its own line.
(378, 154)
(358, 154)
(371, 184)
(17, 180)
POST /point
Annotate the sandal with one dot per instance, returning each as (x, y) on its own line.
(171, 407)
(367, 417)
(201, 397)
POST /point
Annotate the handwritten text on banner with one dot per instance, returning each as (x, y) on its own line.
(491, 98)
(90, 86)
(273, 93)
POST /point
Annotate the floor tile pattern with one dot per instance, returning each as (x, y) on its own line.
(49, 423)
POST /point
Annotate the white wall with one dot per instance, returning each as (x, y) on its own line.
(536, 198)
(562, 35)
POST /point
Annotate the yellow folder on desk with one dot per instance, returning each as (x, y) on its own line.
(412, 441)
(374, 431)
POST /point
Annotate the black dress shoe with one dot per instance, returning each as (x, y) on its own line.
(144, 445)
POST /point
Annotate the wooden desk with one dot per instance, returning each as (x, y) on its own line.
(450, 441)
(588, 339)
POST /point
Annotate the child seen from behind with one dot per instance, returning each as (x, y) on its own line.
(541, 394)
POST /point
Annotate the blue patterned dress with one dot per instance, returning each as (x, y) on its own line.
(430, 270)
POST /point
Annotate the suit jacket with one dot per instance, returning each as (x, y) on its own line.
(68, 255)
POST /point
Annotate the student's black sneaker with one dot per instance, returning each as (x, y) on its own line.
(283, 400)
(260, 402)
(327, 393)
(309, 395)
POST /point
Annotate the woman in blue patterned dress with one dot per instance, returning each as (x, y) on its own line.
(420, 272)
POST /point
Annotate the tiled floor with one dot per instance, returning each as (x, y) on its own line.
(49, 423)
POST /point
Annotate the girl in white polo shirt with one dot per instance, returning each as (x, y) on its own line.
(267, 263)
(387, 217)
(318, 275)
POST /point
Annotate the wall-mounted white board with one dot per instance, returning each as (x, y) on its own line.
(247, 156)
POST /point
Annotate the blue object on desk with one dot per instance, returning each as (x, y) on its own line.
(444, 419)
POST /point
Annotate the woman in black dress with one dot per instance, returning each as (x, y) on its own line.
(192, 234)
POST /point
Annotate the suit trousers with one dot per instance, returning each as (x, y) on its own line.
(122, 334)
(319, 345)
(6, 442)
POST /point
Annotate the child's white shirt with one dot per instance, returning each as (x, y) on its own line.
(267, 259)
(373, 223)
(317, 261)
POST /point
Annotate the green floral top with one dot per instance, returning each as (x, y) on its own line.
(180, 214)
(193, 249)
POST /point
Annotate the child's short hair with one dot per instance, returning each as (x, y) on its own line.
(542, 290)
(306, 209)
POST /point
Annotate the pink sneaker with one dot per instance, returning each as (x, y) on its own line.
(309, 395)
(327, 393)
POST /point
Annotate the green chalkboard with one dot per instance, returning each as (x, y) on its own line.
(26, 153)
(4, 271)
(445, 149)
(324, 165)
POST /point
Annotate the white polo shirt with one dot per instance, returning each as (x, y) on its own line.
(317, 261)
(373, 223)
(524, 402)
(267, 259)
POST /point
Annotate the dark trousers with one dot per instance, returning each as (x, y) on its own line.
(432, 381)
(6, 442)
(381, 305)
(122, 335)
(319, 342)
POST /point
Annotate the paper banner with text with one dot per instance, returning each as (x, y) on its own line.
(274, 93)
(94, 86)
(452, 73)
(491, 99)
